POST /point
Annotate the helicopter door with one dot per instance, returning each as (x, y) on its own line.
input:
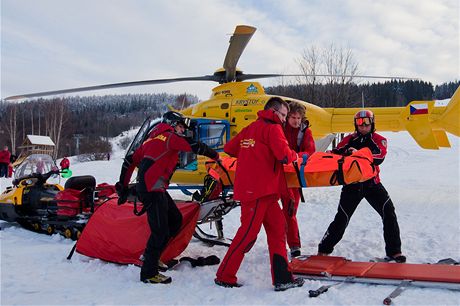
(214, 133)
(142, 134)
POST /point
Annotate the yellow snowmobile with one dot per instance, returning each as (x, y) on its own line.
(38, 202)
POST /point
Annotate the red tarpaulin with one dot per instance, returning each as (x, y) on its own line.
(115, 234)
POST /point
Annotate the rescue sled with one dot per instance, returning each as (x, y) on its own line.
(320, 169)
(38, 202)
(340, 269)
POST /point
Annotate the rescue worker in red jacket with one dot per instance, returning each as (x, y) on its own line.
(4, 161)
(65, 163)
(300, 139)
(261, 149)
(372, 190)
(157, 159)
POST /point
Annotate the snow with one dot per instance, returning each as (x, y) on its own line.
(423, 184)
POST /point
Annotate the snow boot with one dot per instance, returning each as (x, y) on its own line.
(297, 282)
(398, 258)
(157, 279)
(226, 285)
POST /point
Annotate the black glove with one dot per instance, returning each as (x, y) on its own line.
(122, 192)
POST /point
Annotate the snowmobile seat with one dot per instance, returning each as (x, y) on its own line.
(81, 182)
(86, 185)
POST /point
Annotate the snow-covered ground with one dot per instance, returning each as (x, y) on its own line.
(424, 186)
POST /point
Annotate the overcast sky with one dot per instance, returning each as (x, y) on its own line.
(56, 44)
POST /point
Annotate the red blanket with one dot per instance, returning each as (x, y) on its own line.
(115, 234)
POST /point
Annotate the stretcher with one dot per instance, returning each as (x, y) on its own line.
(403, 275)
(320, 169)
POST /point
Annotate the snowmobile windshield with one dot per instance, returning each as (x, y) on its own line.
(35, 163)
(142, 134)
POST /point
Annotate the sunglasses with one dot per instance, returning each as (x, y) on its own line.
(282, 114)
(363, 121)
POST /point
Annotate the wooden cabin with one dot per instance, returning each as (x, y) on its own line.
(36, 144)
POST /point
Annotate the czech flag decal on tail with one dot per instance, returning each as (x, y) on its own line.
(419, 109)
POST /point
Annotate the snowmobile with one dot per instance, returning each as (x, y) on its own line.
(38, 202)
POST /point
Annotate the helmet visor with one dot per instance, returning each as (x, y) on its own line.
(363, 121)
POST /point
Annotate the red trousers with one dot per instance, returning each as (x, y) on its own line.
(267, 212)
(290, 206)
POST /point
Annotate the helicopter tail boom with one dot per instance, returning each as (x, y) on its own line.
(427, 122)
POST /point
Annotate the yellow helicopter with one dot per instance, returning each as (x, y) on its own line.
(235, 103)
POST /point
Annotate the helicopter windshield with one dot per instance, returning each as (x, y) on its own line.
(35, 163)
(142, 134)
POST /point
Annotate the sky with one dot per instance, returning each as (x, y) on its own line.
(53, 44)
(423, 185)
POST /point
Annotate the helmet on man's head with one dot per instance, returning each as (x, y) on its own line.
(364, 117)
(174, 118)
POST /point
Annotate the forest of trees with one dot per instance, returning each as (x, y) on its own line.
(390, 93)
(97, 118)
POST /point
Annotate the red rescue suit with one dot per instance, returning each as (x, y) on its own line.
(261, 149)
(300, 140)
(157, 159)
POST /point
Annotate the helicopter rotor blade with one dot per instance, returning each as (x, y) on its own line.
(244, 77)
(238, 42)
(113, 85)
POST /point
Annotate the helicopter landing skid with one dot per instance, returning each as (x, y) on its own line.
(212, 240)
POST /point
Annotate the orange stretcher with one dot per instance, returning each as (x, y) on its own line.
(342, 269)
(320, 169)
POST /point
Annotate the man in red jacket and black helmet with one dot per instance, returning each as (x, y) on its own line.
(261, 149)
(157, 159)
(371, 190)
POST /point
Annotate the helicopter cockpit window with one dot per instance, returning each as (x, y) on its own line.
(214, 135)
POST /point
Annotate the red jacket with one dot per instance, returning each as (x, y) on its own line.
(65, 163)
(300, 139)
(375, 142)
(5, 156)
(157, 158)
(261, 148)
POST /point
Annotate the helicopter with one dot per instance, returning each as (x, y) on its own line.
(234, 104)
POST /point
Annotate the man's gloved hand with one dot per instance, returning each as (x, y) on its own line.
(122, 192)
(351, 150)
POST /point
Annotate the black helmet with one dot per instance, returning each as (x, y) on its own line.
(173, 118)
